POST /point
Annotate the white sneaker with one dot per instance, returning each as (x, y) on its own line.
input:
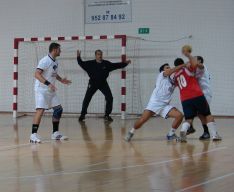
(35, 138)
(58, 136)
(216, 137)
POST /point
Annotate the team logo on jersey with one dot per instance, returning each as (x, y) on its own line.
(55, 67)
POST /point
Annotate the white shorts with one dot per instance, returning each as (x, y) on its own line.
(46, 99)
(161, 109)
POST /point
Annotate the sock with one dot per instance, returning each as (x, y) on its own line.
(55, 126)
(35, 128)
(212, 128)
(206, 130)
(132, 130)
(172, 132)
(185, 127)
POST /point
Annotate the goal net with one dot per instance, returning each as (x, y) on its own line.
(123, 83)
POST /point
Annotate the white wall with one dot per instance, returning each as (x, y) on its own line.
(211, 22)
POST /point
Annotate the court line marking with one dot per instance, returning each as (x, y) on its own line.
(207, 182)
(9, 147)
(112, 169)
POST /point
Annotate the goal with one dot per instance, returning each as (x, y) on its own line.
(123, 83)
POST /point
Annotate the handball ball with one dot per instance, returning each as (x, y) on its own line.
(187, 48)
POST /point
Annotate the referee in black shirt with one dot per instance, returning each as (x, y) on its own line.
(98, 71)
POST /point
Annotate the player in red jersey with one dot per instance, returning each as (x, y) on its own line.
(192, 97)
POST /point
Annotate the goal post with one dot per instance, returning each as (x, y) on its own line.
(28, 51)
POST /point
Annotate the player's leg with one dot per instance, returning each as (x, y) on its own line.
(185, 126)
(191, 130)
(147, 114)
(41, 105)
(37, 118)
(91, 90)
(204, 109)
(106, 91)
(189, 113)
(178, 118)
(57, 114)
(206, 133)
(35, 138)
(211, 124)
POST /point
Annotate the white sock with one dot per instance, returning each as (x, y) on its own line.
(132, 130)
(185, 127)
(212, 128)
(172, 132)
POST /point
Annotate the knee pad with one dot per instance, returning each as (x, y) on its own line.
(57, 112)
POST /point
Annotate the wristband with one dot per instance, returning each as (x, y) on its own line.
(47, 83)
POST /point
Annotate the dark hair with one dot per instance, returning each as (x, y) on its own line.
(53, 46)
(200, 58)
(98, 50)
(178, 61)
(162, 67)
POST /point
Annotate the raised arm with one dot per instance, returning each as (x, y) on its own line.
(80, 61)
(193, 61)
(187, 50)
(168, 72)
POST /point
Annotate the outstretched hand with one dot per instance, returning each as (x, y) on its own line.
(66, 81)
(128, 61)
(78, 53)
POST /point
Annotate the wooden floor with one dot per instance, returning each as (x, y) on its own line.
(96, 158)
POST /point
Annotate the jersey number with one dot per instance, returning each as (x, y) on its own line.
(181, 81)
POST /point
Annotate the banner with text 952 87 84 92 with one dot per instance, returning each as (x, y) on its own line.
(108, 11)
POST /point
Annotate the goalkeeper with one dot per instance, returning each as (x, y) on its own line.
(98, 71)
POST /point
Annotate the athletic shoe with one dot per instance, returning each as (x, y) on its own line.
(182, 137)
(129, 136)
(190, 130)
(216, 137)
(58, 136)
(172, 137)
(108, 118)
(205, 136)
(82, 118)
(35, 138)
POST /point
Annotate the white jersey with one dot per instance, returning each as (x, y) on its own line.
(50, 69)
(203, 78)
(161, 96)
(163, 90)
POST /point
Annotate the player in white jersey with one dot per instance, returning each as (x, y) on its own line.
(203, 78)
(159, 103)
(45, 93)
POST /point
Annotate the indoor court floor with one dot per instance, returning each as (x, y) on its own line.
(97, 159)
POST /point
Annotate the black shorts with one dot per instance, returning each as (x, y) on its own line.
(197, 105)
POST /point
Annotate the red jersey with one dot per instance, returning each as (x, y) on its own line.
(186, 81)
